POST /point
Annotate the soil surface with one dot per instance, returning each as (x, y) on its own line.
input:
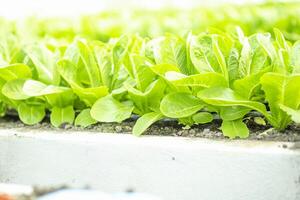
(168, 128)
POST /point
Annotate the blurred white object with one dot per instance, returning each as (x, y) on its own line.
(20, 8)
(76, 195)
(134, 196)
(14, 191)
(94, 195)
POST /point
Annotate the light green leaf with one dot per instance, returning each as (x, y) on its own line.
(63, 99)
(226, 97)
(90, 64)
(233, 64)
(144, 122)
(233, 112)
(266, 43)
(240, 34)
(31, 114)
(84, 119)
(235, 128)
(150, 99)
(139, 70)
(179, 105)
(44, 62)
(69, 72)
(295, 114)
(173, 76)
(107, 109)
(253, 57)
(294, 57)
(205, 80)
(14, 71)
(60, 116)
(119, 52)
(34, 88)
(281, 89)
(245, 59)
(2, 109)
(246, 86)
(220, 58)
(171, 50)
(14, 89)
(90, 95)
(104, 62)
(280, 39)
(202, 117)
(162, 69)
(260, 121)
(202, 55)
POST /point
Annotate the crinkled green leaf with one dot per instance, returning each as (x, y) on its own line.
(69, 72)
(220, 58)
(90, 64)
(281, 90)
(88, 95)
(140, 72)
(265, 41)
(246, 86)
(233, 65)
(44, 62)
(150, 99)
(202, 55)
(171, 50)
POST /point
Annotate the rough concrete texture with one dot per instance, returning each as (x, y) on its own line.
(169, 167)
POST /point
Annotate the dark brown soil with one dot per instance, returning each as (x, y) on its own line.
(169, 128)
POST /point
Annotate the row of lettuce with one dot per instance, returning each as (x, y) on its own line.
(251, 18)
(192, 79)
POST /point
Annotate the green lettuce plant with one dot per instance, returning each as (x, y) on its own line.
(193, 78)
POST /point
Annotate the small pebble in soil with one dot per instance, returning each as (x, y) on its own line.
(118, 129)
(192, 132)
(180, 133)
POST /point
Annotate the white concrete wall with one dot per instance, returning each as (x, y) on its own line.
(173, 168)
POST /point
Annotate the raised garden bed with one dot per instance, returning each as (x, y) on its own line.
(192, 78)
(66, 93)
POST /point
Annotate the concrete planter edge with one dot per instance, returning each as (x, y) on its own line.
(173, 168)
